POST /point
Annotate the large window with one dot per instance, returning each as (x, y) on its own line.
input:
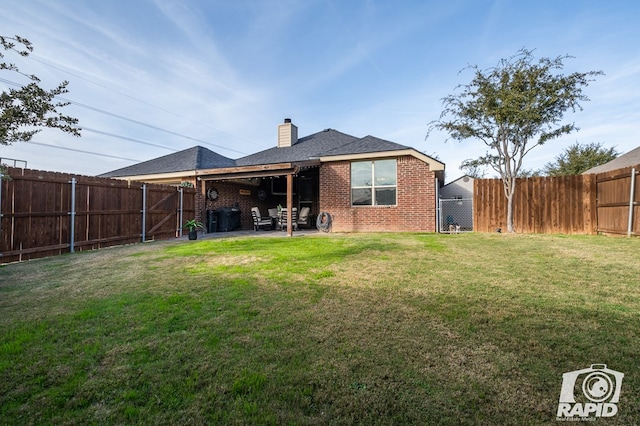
(373, 183)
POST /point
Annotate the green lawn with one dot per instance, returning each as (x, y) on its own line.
(329, 329)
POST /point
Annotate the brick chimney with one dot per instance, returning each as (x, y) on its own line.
(287, 134)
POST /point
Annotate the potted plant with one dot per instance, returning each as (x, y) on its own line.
(193, 226)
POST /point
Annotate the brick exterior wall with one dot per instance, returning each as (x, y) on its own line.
(200, 216)
(229, 196)
(416, 200)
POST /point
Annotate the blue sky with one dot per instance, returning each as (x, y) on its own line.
(151, 77)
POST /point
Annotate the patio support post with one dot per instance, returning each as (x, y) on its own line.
(289, 204)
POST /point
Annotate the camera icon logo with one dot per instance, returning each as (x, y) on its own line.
(590, 391)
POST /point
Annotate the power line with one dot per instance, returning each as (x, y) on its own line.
(35, 58)
(126, 138)
(102, 111)
(140, 123)
(82, 151)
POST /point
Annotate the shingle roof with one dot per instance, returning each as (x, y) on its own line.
(631, 158)
(194, 158)
(325, 143)
(365, 145)
(312, 146)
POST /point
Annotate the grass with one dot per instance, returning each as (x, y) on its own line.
(333, 329)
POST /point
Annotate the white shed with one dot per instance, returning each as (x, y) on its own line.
(456, 205)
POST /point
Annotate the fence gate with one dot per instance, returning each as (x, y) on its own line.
(162, 208)
(456, 215)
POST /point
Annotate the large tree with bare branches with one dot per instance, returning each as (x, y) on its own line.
(513, 108)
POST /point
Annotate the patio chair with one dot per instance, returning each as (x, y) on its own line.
(284, 217)
(303, 219)
(273, 214)
(258, 220)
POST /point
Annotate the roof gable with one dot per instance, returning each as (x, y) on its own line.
(372, 147)
(365, 145)
(631, 158)
(312, 146)
(468, 178)
(193, 158)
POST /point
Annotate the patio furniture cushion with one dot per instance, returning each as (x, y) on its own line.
(258, 220)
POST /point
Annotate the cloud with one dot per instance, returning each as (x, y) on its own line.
(229, 72)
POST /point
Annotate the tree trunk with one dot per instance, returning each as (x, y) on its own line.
(510, 206)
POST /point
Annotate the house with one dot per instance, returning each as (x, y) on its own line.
(459, 189)
(365, 184)
(456, 204)
(630, 159)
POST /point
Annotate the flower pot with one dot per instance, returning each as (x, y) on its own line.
(193, 235)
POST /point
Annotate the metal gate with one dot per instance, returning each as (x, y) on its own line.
(455, 215)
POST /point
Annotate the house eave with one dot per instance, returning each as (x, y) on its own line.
(254, 171)
(159, 177)
(434, 165)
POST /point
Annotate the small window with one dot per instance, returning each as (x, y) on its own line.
(373, 183)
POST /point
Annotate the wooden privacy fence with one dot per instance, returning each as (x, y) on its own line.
(618, 201)
(47, 213)
(577, 204)
(561, 205)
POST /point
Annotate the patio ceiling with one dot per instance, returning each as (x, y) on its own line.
(257, 171)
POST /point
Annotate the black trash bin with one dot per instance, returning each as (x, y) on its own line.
(212, 221)
(228, 219)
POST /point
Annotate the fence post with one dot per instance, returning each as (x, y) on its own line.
(632, 193)
(72, 214)
(181, 211)
(144, 212)
(1, 177)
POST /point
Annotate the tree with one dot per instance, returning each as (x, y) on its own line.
(476, 171)
(513, 108)
(527, 173)
(24, 111)
(578, 158)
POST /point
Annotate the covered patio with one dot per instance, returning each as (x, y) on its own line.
(291, 185)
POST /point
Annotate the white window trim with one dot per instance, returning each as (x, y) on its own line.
(373, 185)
